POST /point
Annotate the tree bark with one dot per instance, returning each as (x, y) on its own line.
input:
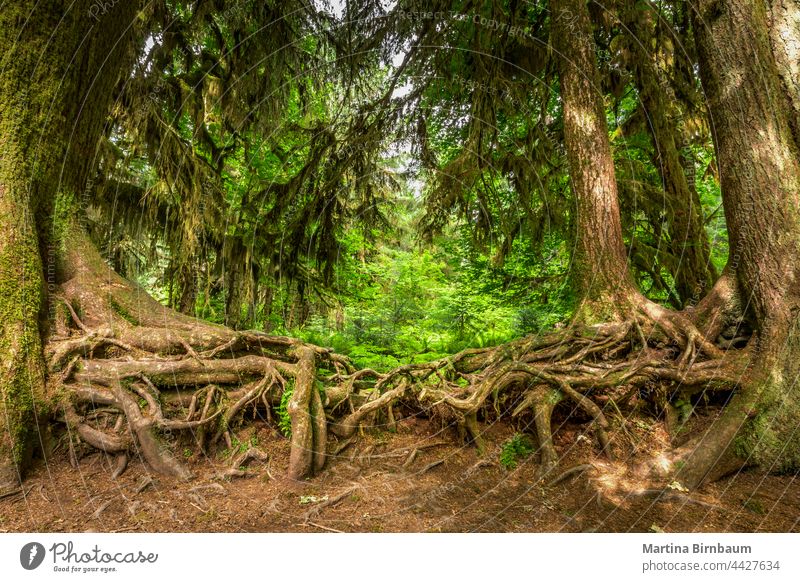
(760, 178)
(61, 62)
(600, 267)
(784, 27)
(187, 283)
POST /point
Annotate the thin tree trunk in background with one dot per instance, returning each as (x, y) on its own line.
(187, 283)
(267, 312)
(694, 273)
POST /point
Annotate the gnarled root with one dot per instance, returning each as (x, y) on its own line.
(543, 400)
(131, 385)
(569, 367)
(712, 455)
(301, 459)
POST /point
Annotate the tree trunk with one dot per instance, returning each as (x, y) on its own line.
(187, 283)
(600, 265)
(234, 282)
(61, 62)
(760, 178)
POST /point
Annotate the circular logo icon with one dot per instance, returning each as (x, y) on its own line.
(31, 555)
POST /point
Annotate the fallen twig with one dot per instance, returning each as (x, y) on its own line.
(314, 511)
(572, 471)
(430, 466)
(330, 529)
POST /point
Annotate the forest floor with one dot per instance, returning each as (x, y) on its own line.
(380, 484)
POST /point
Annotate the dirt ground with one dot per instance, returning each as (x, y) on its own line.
(379, 484)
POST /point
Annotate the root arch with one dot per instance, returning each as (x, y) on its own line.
(131, 375)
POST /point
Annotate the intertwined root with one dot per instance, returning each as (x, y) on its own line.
(124, 398)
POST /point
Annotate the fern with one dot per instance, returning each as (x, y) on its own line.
(514, 449)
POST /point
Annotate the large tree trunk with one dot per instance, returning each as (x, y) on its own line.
(760, 177)
(119, 345)
(600, 265)
(60, 65)
(600, 268)
(21, 292)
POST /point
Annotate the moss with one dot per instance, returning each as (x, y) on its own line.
(122, 312)
(21, 294)
(18, 419)
(23, 403)
(62, 313)
(771, 438)
(599, 309)
(755, 506)
(554, 397)
(64, 212)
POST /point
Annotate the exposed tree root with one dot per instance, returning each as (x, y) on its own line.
(301, 461)
(670, 495)
(531, 376)
(239, 462)
(137, 380)
(569, 473)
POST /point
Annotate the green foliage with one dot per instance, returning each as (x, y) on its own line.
(684, 408)
(237, 447)
(307, 221)
(284, 422)
(517, 447)
(399, 302)
(708, 189)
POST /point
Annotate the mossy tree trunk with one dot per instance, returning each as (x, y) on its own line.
(60, 64)
(21, 295)
(760, 178)
(187, 283)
